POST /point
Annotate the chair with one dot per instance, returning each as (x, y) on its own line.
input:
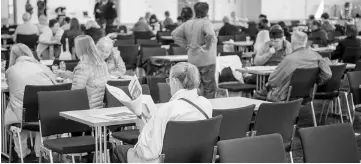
(111, 101)
(351, 55)
(355, 89)
(164, 92)
(31, 110)
(152, 82)
(259, 149)
(118, 43)
(222, 39)
(29, 40)
(51, 103)
(118, 82)
(147, 52)
(241, 37)
(129, 55)
(358, 66)
(235, 122)
(303, 84)
(163, 33)
(70, 64)
(125, 37)
(219, 49)
(179, 51)
(191, 141)
(331, 90)
(111, 29)
(171, 45)
(329, 144)
(143, 34)
(278, 118)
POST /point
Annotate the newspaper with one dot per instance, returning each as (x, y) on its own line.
(141, 105)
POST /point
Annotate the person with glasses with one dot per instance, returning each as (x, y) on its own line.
(273, 51)
(185, 105)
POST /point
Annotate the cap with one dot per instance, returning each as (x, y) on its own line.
(276, 32)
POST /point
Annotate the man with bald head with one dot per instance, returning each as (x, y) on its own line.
(301, 57)
(228, 28)
(26, 28)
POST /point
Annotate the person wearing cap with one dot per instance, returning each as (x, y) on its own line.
(228, 29)
(275, 50)
(318, 35)
(350, 41)
(26, 28)
(276, 89)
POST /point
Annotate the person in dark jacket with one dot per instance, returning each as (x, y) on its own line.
(97, 12)
(318, 35)
(109, 11)
(350, 41)
(285, 30)
(94, 31)
(228, 29)
(71, 34)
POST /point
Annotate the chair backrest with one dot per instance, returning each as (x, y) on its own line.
(235, 122)
(152, 82)
(129, 55)
(29, 40)
(118, 82)
(351, 55)
(111, 29)
(111, 101)
(222, 39)
(334, 83)
(70, 64)
(303, 81)
(355, 82)
(125, 37)
(143, 34)
(147, 52)
(179, 51)
(147, 42)
(123, 28)
(358, 66)
(51, 103)
(30, 102)
(164, 92)
(241, 37)
(329, 144)
(124, 42)
(191, 141)
(163, 33)
(277, 118)
(259, 149)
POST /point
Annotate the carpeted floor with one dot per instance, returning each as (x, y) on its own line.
(304, 121)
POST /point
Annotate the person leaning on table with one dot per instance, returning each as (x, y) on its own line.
(184, 83)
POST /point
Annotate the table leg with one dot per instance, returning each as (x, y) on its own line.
(257, 83)
(4, 136)
(105, 144)
(100, 145)
(96, 146)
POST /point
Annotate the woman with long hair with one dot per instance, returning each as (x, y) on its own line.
(71, 34)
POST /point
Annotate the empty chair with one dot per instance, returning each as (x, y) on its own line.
(191, 141)
(329, 144)
(179, 51)
(235, 122)
(355, 89)
(330, 91)
(303, 84)
(70, 64)
(351, 55)
(164, 92)
(129, 55)
(222, 39)
(259, 149)
(147, 52)
(143, 34)
(152, 82)
(124, 42)
(111, 101)
(51, 103)
(278, 118)
(30, 119)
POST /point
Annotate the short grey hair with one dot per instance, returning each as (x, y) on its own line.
(226, 19)
(187, 74)
(299, 38)
(26, 17)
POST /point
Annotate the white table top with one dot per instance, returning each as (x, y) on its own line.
(258, 70)
(86, 116)
(171, 58)
(166, 37)
(239, 43)
(324, 49)
(47, 62)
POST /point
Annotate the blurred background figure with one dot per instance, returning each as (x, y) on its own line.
(29, 8)
(27, 28)
(228, 28)
(168, 21)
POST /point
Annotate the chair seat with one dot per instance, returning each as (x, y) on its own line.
(71, 145)
(30, 126)
(127, 136)
(326, 95)
(237, 87)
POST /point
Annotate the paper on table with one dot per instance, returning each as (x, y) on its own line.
(134, 87)
(115, 116)
(262, 68)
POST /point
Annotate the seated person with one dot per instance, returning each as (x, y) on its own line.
(71, 34)
(50, 36)
(93, 29)
(350, 41)
(26, 28)
(112, 56)
(24, 70)
(302, 57)
(184, 83)
(141, 26)
(326, 24)
(167, 21)
(228, 29)
(318, 35)
(275, 50)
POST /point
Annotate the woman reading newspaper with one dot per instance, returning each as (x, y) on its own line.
(185, 105)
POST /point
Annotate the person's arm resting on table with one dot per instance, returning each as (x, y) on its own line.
(263, 56)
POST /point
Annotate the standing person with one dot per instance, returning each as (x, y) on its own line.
(198, 37)
(50, 36)
(41, 7)
(326, 24)
(346, 13)
(26, 28)
(168, 21)
(147, 17)
(29, 8)
(109, 11)
(97, 12)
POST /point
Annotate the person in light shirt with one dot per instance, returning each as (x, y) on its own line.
(184, 82)
(50, 36)
(27, 28)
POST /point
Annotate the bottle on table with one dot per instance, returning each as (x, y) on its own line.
(62, 66)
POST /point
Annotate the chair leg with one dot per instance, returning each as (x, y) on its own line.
(51, 156)
(20, 147)
(73, 158)
(291, 156)
(313, 114)
(348, 108)
(328, 110)
(323, 108)
(31, 139)
(11, 147)
(340, 109)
